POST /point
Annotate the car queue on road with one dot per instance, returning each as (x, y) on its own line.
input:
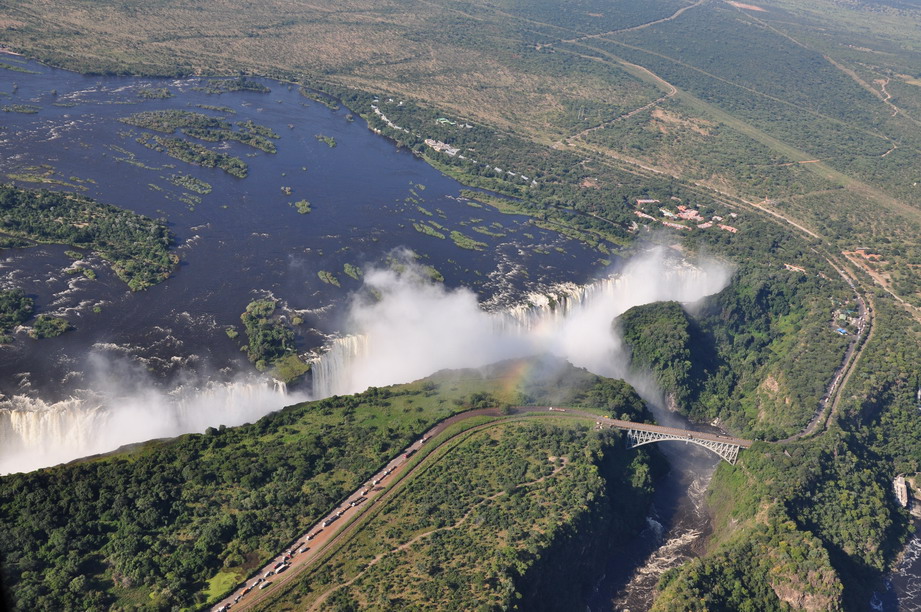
(317, 537)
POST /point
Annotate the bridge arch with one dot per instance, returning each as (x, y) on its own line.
(727, 451)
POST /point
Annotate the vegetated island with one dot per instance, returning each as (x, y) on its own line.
(26, 109)
(516, 510)
(137, 247)
(241, 83)
(271, 342)
(329, 141)
(15, 309)
(194, 153)
(205, 127)
(46, 326)
(155, 93)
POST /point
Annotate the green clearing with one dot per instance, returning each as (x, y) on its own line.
(220, 583)
(289, 368)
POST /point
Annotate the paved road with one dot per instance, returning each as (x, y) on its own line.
(326, 530)
(330, 528)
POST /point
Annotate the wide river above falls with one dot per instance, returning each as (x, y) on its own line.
(243, 240)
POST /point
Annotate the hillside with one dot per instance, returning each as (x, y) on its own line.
(179, 522)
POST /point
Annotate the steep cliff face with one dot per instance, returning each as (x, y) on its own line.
(567, 569)
(769, 564)
(664, 340)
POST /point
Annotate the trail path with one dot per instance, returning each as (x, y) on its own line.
(642, 26)
(830, 401)
(404, 546)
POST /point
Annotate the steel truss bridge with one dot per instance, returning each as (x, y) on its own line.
(639, 434)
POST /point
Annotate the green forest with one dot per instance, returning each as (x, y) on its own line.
(518, 515)
(137, 247)
(155, 523)
(271, 341)
(15, 309)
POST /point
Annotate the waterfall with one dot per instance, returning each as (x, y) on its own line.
(330, 370)
(34, 433)
(400, 344)
(413, 331)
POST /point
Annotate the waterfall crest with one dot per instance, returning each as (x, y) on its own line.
(35, 433)
(401, 344)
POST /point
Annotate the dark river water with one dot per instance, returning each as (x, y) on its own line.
(901, 588)
(677, 526)
(243, 240)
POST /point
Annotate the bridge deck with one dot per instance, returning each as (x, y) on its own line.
(669, 431)
(685, 433)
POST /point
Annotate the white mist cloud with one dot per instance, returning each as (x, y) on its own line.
(416, 328)
(125, 406)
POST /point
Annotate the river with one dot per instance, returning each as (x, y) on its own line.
(902, 586)
(242, 241)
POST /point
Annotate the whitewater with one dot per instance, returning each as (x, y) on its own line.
(399, 329)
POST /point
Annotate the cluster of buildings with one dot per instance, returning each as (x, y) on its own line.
(442, 147)
(671, 219)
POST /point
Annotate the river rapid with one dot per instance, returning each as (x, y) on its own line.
(901, 588)
(676, 530)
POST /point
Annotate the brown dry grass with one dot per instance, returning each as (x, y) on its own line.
(387, 46)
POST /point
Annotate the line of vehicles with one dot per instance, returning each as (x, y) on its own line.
(263, 582)
(300, 548)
